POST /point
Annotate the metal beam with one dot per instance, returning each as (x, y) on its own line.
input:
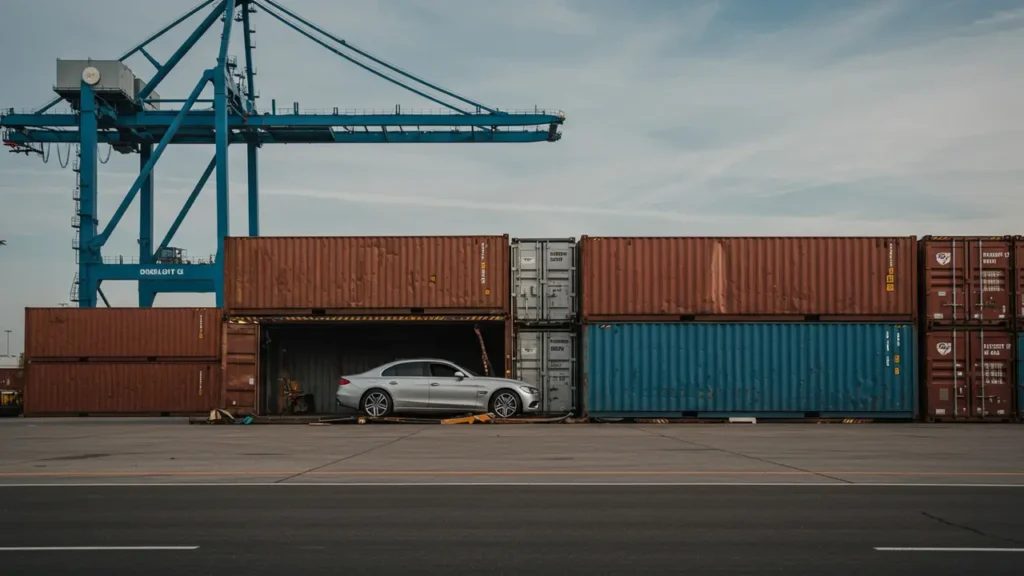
(180, 52)
(164, 141)
(188, 205)
(222, 134)
(309, 137)
(88, 254)
(203, 118)
(146, 213)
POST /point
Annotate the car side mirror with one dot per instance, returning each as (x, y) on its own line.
(459, 375)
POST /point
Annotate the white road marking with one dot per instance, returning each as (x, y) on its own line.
(90, 548)
(524, 484)
(949, 549)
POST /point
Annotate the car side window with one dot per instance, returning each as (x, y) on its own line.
(407, 369)
(442, 370)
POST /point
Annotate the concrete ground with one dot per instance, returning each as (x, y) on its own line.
(34, 451)
(163, 497)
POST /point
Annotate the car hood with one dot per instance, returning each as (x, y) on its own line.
(490, 381)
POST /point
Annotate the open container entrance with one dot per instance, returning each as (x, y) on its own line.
(301, 362)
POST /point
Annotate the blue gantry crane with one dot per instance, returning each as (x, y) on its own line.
(110, 105)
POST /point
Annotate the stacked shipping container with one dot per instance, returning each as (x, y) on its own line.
(967, 296)
(763, 327)
(544, 311)
(122, 360)
(1018, 319)
(327, 306)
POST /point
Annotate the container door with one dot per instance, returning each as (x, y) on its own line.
(945, 268)
(559, 281)
(544, 280)
(547, 360)
(991, 374)
(241, 367)
(989, 284)
(946, 384)
(559, 395)
(526, 279)
(528, 359)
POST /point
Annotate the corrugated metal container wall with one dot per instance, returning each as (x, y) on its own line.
(624, 277)
(121, 333)
(12, 379)
(708, 370)
(435, 273)
(1018, 251)
(967, 279)
(125, 388)
(969, 374)
(1020, 376)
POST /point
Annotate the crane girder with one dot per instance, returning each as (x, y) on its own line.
(135, 119)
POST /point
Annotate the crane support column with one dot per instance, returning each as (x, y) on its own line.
(89, 257)
(252, 147)
(222, 138)
(146, 254)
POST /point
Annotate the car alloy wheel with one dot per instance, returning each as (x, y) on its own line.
(506, 404)
(376, 404)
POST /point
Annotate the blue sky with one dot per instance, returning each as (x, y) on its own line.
(722, 117)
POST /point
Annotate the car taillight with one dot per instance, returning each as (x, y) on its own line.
(342, 382)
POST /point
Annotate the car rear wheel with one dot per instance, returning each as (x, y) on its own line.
(505, 404)
(376, 404)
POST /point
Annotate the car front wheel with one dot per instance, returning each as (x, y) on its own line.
(505, 404)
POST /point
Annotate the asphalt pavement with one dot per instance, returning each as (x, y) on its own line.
(330, 529)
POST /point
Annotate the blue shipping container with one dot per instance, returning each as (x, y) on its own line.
(766, 370)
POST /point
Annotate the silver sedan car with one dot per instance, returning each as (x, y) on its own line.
(431, 385)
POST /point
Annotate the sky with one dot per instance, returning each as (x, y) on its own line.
(727, 117)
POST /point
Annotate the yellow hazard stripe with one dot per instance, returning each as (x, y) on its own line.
(403, 318)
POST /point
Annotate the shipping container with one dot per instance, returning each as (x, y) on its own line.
(122, 388)
(967, 279)
(379, 274)
(122, 333)
(969, 374)
(1018, 282)
(12, 379)
(764, 370)
(1020, 377)
(689, 278)
(544, 280)
(307, 355)
(547, 359)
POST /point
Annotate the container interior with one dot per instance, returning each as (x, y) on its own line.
(315, 355)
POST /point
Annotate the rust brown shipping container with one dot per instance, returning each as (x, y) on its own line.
(122, 333)
(668, 277)
(1018, 282)
(12, 379)
(969, 374)
(967, 279)
(434, 274)
(122, 388)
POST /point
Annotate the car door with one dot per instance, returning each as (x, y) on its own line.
(409, 385)
(450, 393)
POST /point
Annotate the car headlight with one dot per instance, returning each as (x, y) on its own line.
(529, 390)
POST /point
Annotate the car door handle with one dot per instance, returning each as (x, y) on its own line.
(393, 383)
(435, 383)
